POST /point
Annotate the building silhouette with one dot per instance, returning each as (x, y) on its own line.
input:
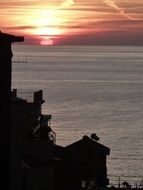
(35, 160)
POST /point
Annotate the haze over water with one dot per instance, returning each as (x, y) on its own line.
(90, 89)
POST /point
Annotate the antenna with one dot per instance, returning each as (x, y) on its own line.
(21, 59)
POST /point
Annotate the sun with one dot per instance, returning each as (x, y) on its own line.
(46, 41)
(46, 33)
(47, 22)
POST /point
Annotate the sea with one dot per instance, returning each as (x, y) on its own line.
(90, 89)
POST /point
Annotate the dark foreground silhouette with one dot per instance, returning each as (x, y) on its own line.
(36, 161)
(5, 98)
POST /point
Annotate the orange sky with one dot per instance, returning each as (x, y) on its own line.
(74, 21)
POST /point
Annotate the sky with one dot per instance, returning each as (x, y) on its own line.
(74, 22)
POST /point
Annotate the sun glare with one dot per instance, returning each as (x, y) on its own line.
(47, 22)
(46, 41)
(47, 31)
(47, 35)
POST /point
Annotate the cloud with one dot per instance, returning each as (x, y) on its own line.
(19, 27)
(67, 3)
(119, 9)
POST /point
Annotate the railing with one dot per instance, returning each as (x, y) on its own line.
(124, 181)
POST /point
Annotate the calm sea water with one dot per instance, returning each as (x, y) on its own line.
(90, 89)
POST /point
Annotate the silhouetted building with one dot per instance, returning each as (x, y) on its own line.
(83, 166)
(38, 163)
(5, 70)
(5, 85)
(27, 119)
(42, 158)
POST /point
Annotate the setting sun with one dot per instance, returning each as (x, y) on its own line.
(49, 22)
(46, 41)
(46, 23)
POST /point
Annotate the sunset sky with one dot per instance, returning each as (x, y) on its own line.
(81, 22)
